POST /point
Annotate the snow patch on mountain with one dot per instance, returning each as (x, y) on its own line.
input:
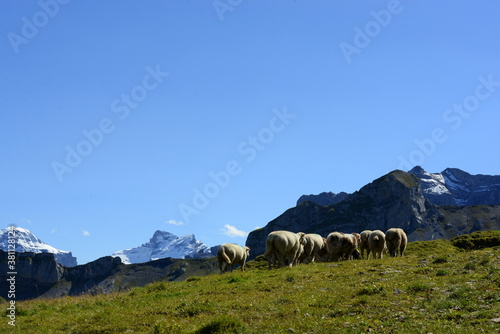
(456, 187)
(165, 244)
(434, 183)
(452, 182)
(26, 241)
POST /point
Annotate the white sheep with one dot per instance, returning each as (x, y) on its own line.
(231, 254)
(376, 241)
(340, 245)
(285, 246)
(396, 240)
(314, 247)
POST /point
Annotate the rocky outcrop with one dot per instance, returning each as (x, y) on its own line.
(89, 278)
(34, 273)
(92, 270)
(394, 200)
(459, 220)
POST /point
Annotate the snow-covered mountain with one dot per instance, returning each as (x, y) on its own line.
(456, 187)
(165, 244)
(26, 241)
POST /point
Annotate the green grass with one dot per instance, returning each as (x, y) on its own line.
(418, 293)
(477, 240)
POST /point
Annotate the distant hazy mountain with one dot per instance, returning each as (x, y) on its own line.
(28, 242)
(165, 244)
(456, 187)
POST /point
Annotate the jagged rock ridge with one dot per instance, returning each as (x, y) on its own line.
(325, 198)
(26, 241)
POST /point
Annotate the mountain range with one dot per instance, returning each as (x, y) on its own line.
(416, 206)
(426, 205)
(162, 245)
(43, 271)
(27, 242)
(39, 275)
(398, 199)
(452, 186)
(165, 244)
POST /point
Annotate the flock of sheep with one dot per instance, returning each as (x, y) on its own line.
(284, 248)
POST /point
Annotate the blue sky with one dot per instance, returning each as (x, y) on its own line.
(119, 118)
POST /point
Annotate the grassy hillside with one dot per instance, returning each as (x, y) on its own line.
(435, 288)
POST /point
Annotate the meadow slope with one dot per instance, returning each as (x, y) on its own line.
(435, 288)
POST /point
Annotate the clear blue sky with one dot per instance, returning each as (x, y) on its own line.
(117, 117)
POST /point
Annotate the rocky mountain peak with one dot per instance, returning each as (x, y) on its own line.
(417, 170)
(164, 244)
(162, 237)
